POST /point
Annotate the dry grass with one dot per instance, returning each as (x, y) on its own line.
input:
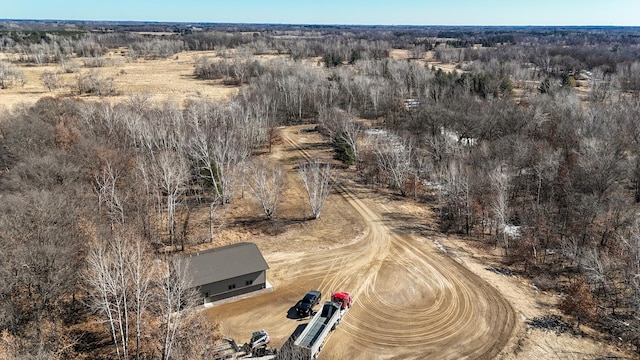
(163, 80)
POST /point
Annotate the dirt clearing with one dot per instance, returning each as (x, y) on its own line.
(418, 294)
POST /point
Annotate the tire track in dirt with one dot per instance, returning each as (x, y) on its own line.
(412, 301)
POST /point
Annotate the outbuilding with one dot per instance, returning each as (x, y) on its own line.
(227, 271)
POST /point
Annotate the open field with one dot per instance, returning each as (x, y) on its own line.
(162, 80)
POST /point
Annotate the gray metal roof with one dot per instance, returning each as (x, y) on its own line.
(223, 263)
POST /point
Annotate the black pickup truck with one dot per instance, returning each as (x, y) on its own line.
(305, 306)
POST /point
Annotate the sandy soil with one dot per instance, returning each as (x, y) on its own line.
(418, 294)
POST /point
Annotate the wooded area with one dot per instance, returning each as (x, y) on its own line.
(530, 143)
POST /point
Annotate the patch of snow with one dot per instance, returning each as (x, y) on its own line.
(454, 137)
(512, 231)
(439, 246)
(434, 185)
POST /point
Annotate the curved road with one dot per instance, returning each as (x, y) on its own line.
(411, 300)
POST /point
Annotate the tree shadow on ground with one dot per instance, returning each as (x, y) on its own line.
(269, 227)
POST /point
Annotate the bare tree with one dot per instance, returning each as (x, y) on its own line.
(41, 251)
(144, 177)
(274, 136)
(176, 298)
(120, 275)
(96, 84)
(546, 169)
(350, 131)
(214, 215)
(265, 182)
(218, 147)
(142, 273)
(456, 185)
(108, 282)
(596, 265)
(423, 164)
(196, 337)
(10, 76)
(394, 159)
(172, 175)
(133, 291)
(500, 181)
(109, 195)
(293, 90)
(633, 270)
(329, 119)
(317, 183)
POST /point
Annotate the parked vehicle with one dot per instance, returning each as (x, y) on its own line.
(256, 348)
(305, 306)
(310, 341)
(259, 339)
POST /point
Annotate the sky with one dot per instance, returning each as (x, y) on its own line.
(360, 12)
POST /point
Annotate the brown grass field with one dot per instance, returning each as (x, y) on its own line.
(164, 80)
(412, 300)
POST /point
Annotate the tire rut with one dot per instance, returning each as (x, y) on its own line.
(445, 311)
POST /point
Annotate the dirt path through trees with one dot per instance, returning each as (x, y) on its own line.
(411, 300)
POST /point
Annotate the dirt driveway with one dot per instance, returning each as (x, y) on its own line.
(411, 300)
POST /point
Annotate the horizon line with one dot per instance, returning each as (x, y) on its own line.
(317, 24)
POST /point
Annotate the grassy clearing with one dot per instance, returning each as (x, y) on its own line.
(162, 80)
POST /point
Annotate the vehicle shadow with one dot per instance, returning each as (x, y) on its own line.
(293, 314)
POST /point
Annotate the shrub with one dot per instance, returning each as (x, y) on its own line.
(10, 76)
(51, 79)
(579, 302)
(568, 81)
(156, 48)
(70, 67)
(96, 84)
(94, 62)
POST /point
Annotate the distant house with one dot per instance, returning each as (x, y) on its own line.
(227, 271)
